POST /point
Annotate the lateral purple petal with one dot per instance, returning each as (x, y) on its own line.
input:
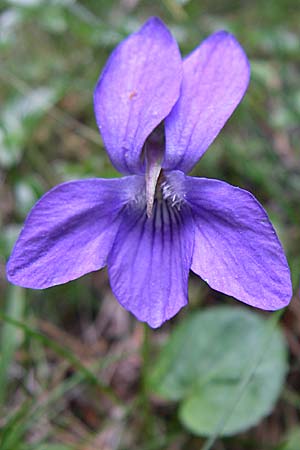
(149, 263)
(236, 249)
(215, 78)
(69, 232)
(136, 91)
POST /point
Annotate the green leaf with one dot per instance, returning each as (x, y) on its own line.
(206, 360)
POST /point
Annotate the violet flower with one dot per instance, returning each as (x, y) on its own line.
(158, 115)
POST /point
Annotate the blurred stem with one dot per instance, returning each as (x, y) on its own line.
(144, 397)
(10, 337)
(145, 353)
(175, 9)
(39, 164)
(292, 397)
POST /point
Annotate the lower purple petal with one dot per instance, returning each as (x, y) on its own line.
(236, 249)
(150, 261)
(69, 232)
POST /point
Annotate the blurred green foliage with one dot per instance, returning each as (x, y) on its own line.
(69, 362)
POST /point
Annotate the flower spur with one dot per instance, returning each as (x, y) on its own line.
(157, 116)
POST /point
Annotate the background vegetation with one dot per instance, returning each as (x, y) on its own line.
(76, 370)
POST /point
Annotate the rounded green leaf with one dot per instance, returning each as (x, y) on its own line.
(206, 360)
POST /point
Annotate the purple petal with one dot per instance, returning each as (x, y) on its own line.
(236, 248)
(69, 232)
(215, 77)
(150, 260)
(136, 91)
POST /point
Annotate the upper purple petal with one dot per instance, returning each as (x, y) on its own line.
(215, 78)
(69, 232)
(136, 91)
(236, 250)
(150, 260)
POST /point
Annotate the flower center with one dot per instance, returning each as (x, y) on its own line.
(168, 196)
